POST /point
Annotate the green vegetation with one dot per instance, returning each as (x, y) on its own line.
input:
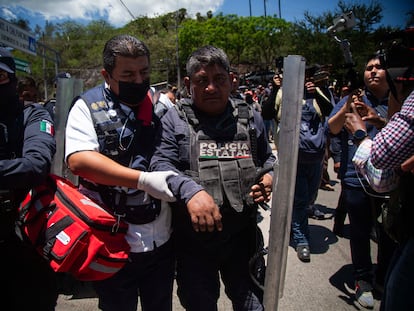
(252, 43)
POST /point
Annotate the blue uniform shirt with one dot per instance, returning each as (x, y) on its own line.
(347, 171)
(32, 162)
(173, 152)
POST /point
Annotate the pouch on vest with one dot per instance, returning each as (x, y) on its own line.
(210, 179)
(230, 178)
(247, 170)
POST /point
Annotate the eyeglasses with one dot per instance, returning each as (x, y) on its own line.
(376, 66)
(126, 137)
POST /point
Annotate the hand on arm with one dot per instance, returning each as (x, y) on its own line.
(155, 184)
(204, 212)
(100, 169)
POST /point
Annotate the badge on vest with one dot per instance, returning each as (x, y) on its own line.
(210, 149)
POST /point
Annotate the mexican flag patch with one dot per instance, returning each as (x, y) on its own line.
(47, 127)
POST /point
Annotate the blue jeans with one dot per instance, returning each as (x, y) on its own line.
(308, 178)
(269, 128)
(398, 291)
(363, 209)
(361, 219)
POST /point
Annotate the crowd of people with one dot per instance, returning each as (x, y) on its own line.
(189, 171)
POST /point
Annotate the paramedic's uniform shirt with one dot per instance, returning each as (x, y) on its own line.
(81, 136)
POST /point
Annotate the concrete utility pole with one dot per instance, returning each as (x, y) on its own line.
(285, 176)
(177, 52)
(67, 89)
(280, 10)
(50, 54)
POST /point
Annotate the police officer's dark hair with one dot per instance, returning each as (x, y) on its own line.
(7, 59)
(25, 82)
(122, 45)
(206, 56)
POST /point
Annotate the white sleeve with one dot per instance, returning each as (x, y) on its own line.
(381, 180)
(80, 132)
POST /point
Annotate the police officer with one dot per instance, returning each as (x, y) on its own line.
(27, 145)
(216, 143)
(110, 135)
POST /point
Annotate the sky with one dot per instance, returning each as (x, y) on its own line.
(120, 12)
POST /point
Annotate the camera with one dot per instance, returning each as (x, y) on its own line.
(397, 54)
(317, 73)
(342, 22)
(320, 76)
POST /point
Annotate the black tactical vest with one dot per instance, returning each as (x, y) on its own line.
(11, 146)
(126, 141)
(222, 155)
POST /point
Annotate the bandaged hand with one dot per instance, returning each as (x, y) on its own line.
(155, 184)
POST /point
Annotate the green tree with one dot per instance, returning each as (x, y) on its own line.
(252, 43)
(312, 40)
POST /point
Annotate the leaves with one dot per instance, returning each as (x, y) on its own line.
(252, 43)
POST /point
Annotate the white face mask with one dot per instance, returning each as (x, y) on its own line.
(28, 102)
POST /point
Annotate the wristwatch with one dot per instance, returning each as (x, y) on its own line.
(359, 135)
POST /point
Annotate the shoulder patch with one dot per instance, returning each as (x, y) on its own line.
(47, 127)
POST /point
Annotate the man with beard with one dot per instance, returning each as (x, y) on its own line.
(109, 144)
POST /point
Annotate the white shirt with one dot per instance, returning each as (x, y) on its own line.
(81, 136)
(166, 100)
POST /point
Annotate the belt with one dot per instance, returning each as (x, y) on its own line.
(167, 246)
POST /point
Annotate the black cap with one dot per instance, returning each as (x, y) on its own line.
(63, 75)
(7, 61)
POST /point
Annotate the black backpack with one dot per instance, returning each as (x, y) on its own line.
(268, 108)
